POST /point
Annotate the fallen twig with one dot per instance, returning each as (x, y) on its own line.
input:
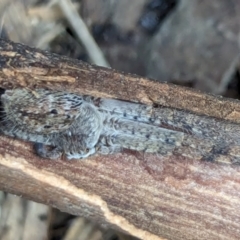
(148, 196)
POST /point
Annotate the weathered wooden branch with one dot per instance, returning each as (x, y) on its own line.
(150, 197)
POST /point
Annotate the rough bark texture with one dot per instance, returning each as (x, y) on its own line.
(148, 196)
(21, 66)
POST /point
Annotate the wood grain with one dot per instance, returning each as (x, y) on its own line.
(22, 66)
(148, 196)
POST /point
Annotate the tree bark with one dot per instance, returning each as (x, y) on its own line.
(148, 196)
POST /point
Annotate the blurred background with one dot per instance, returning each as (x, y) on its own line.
(193, 43)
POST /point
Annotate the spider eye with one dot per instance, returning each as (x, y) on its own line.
(54, 111)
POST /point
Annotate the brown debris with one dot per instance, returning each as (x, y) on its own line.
(198, 42)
